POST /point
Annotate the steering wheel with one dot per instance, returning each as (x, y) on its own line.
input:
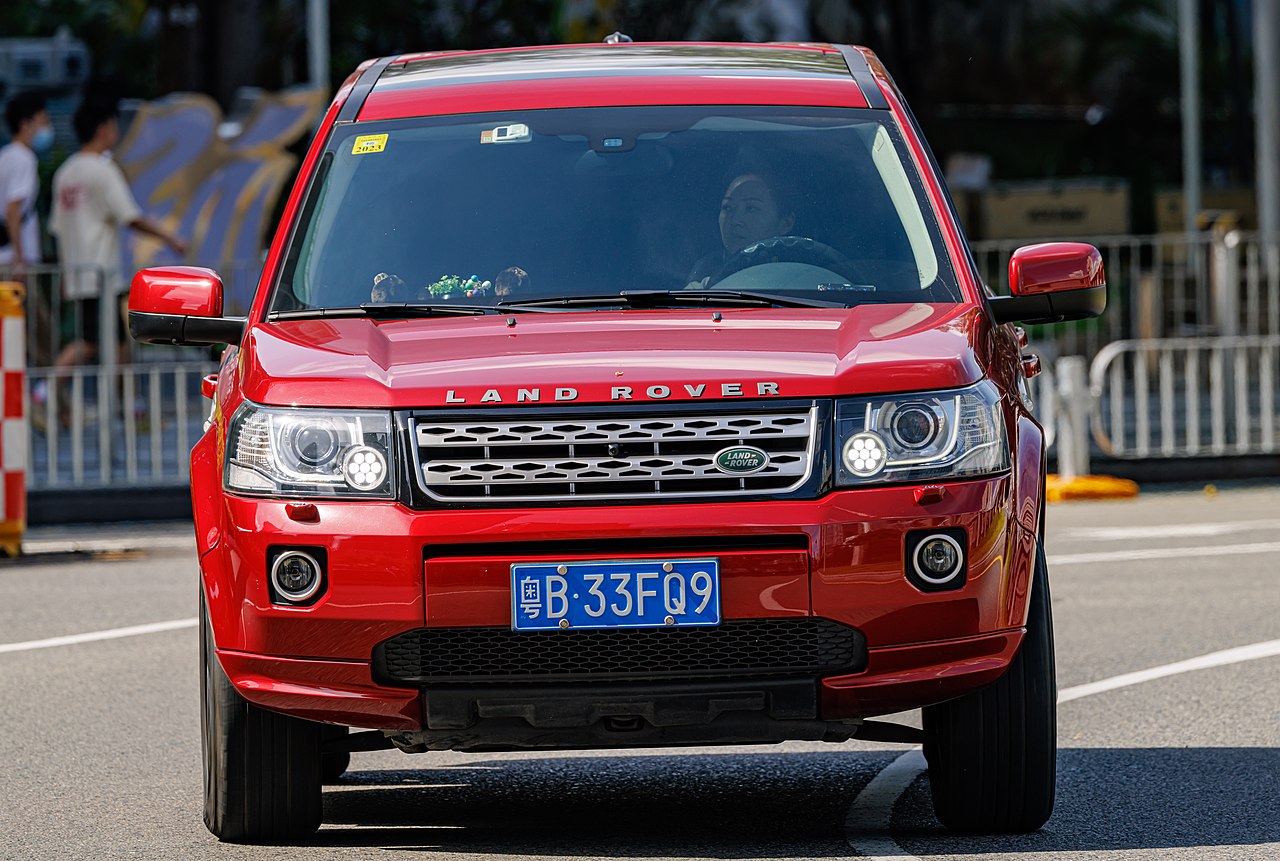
(783, 249)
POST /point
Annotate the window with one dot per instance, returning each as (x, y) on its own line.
(502, 207)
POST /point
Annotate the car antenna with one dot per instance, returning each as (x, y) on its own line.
(617, 37)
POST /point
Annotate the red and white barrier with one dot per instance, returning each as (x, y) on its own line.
(13, 422)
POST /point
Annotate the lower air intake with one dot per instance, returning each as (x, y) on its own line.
(738, 648)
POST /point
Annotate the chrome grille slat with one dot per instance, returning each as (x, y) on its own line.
(675, 429)
(544, 459)
(587, 469)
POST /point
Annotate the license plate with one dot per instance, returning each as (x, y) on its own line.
(647, 593)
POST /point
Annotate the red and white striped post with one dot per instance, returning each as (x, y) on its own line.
(13, 421)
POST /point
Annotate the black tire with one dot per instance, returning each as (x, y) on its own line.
(993, 753)
(261, 769)
(332, 765)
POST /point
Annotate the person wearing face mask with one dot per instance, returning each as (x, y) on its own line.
(751, 210)
(28, 122)
(92, 203)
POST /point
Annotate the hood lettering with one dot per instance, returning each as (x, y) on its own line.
(616, 393)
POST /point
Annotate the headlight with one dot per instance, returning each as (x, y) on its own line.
(310, 452)
(914, 437)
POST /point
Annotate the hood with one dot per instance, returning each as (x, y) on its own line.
(611, 356)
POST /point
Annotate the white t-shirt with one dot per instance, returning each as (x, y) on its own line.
(19, 181)
(91, 203)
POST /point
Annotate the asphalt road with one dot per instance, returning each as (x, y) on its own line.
(100, 750)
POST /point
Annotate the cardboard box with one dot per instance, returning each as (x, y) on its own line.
(1055, 210)
(1240, 202)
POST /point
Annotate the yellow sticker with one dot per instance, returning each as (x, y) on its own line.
(369, 143)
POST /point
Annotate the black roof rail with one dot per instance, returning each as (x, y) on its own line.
(863, 77)
(364, 84)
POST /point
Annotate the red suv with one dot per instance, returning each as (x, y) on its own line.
(616, 396)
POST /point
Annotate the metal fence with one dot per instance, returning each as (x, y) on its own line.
(1184, 363)
(131, 426)
(105, 411)
(58, 328)
(1167, 286)
(1186, 397)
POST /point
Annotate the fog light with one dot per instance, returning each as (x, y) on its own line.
(937, 559)
(295, 576)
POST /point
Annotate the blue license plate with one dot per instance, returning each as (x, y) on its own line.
(646, 593)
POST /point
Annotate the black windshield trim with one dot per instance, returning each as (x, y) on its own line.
(664, 298)
(386, 312)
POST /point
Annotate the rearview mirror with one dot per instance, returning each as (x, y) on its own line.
(180, 305)
(1053, 282)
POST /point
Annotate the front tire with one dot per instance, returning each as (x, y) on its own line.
(992, 753)
(333, 764)
(261, 769)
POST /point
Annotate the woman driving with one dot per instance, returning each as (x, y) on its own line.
(750, 211)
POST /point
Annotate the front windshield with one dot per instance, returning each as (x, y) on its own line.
(530, 206)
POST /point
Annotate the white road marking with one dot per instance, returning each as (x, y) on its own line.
(871, 813)
(399, 827)
(1269, 649)
(872, 810)
(92, 636)
(107, 545)
(1163, 553)
(1175, 530)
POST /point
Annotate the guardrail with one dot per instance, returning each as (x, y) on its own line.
(54, 323)
(1200, 380)
(1186, 397)
(1213, 284)
(133, 425)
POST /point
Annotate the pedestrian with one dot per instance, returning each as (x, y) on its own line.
(28, 122)
(91, 203)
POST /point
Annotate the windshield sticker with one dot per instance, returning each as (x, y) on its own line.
(366, 144)
(514, 133)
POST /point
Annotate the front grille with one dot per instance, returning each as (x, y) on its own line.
(610, 457)
(746, 647)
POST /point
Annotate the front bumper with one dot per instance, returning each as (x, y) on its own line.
(392, 570)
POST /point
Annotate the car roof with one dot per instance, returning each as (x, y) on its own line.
(600, 75)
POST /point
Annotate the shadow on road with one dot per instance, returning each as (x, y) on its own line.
(784, 804)
(714, 806)
(1140, 798)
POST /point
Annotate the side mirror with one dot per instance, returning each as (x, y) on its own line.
(1053, 282)
(180, 305)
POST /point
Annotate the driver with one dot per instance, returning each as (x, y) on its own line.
(751, 210)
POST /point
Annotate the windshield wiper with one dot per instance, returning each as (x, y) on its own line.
(392, 311)
(668, 298)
